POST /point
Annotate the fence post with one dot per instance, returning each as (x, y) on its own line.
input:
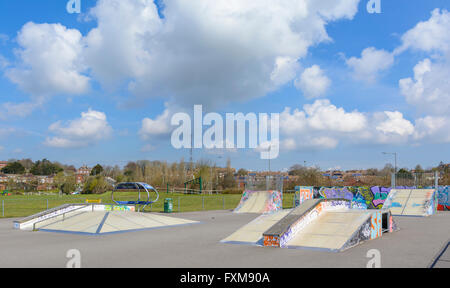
(223, 197)
(47, 204)
(179, 207)
(436, 179)
(393, 184)
(203, 202)
(3, 208)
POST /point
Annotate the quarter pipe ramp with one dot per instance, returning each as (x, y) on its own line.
(260, 202)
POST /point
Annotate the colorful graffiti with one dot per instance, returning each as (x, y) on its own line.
(443, 198)
(376, 225)
(303, 193)
(275, 203)
(369, 197)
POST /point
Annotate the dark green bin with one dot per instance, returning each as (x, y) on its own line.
(168, 205)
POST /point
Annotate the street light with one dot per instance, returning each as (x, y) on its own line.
(395, 165)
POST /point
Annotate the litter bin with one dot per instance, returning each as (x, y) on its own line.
(168, 205)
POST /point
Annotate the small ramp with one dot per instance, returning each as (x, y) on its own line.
(412, 202)
(259, 202)
(100, 223)
(96, 219)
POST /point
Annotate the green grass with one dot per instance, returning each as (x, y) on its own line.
(22, 206)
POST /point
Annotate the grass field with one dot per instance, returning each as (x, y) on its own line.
(21, 206)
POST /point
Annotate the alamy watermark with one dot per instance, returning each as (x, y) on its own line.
(375, 258)
(374, 6)
(74, 257)
(235, 127)
(73, 6)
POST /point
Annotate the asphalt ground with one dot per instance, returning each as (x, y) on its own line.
(419, 243)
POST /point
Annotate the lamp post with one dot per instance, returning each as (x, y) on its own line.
(395, 165)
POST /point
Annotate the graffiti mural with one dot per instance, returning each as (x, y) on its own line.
(443, 198)
(372, 197)
(336, 193)
(376, 225)
(303, 193)
(275, 202)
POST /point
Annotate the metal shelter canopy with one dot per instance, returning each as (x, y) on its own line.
(135, 187)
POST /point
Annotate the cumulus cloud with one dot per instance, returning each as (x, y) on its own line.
(433, 129)
(49, 60)
(160, 126)
(429, 91)
(322, 125)
(313, 82)
(318, 126)
(431, 35)
(395, 124)
(91, 128)
(372, 62)
(202, 51)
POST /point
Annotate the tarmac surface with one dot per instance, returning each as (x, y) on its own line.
(420, 243)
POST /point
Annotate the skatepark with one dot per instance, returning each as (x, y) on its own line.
(408, 232)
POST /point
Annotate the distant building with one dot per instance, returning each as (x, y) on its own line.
(3, 164)
(82, 174)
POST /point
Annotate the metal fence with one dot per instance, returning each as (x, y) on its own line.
(13, 207)
(417, 179)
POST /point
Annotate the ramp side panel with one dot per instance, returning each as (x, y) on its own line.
(252, 233)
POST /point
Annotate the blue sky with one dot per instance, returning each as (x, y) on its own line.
(138, 65)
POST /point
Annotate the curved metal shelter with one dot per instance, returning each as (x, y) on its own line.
(140, 188)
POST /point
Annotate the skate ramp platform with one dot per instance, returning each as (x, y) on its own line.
(259, 202)
(412, 202)
(318, 224)
(328, 224)
(97, 220)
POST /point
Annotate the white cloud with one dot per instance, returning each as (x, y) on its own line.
(395, 124)
(431, 35)
(208, 52)
(372, 62)
(202, 52)
(49, 60)
(18, 109)
(157, 127)
(429, 91)
(313, 82)
(91, 128)
(322, 125)
(433, 129)
(318, 126)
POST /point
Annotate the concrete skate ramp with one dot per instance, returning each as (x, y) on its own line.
(107, 222)
(331, 231)
(259, 202)
(411, 202)
(328, 224)
(252, 233)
